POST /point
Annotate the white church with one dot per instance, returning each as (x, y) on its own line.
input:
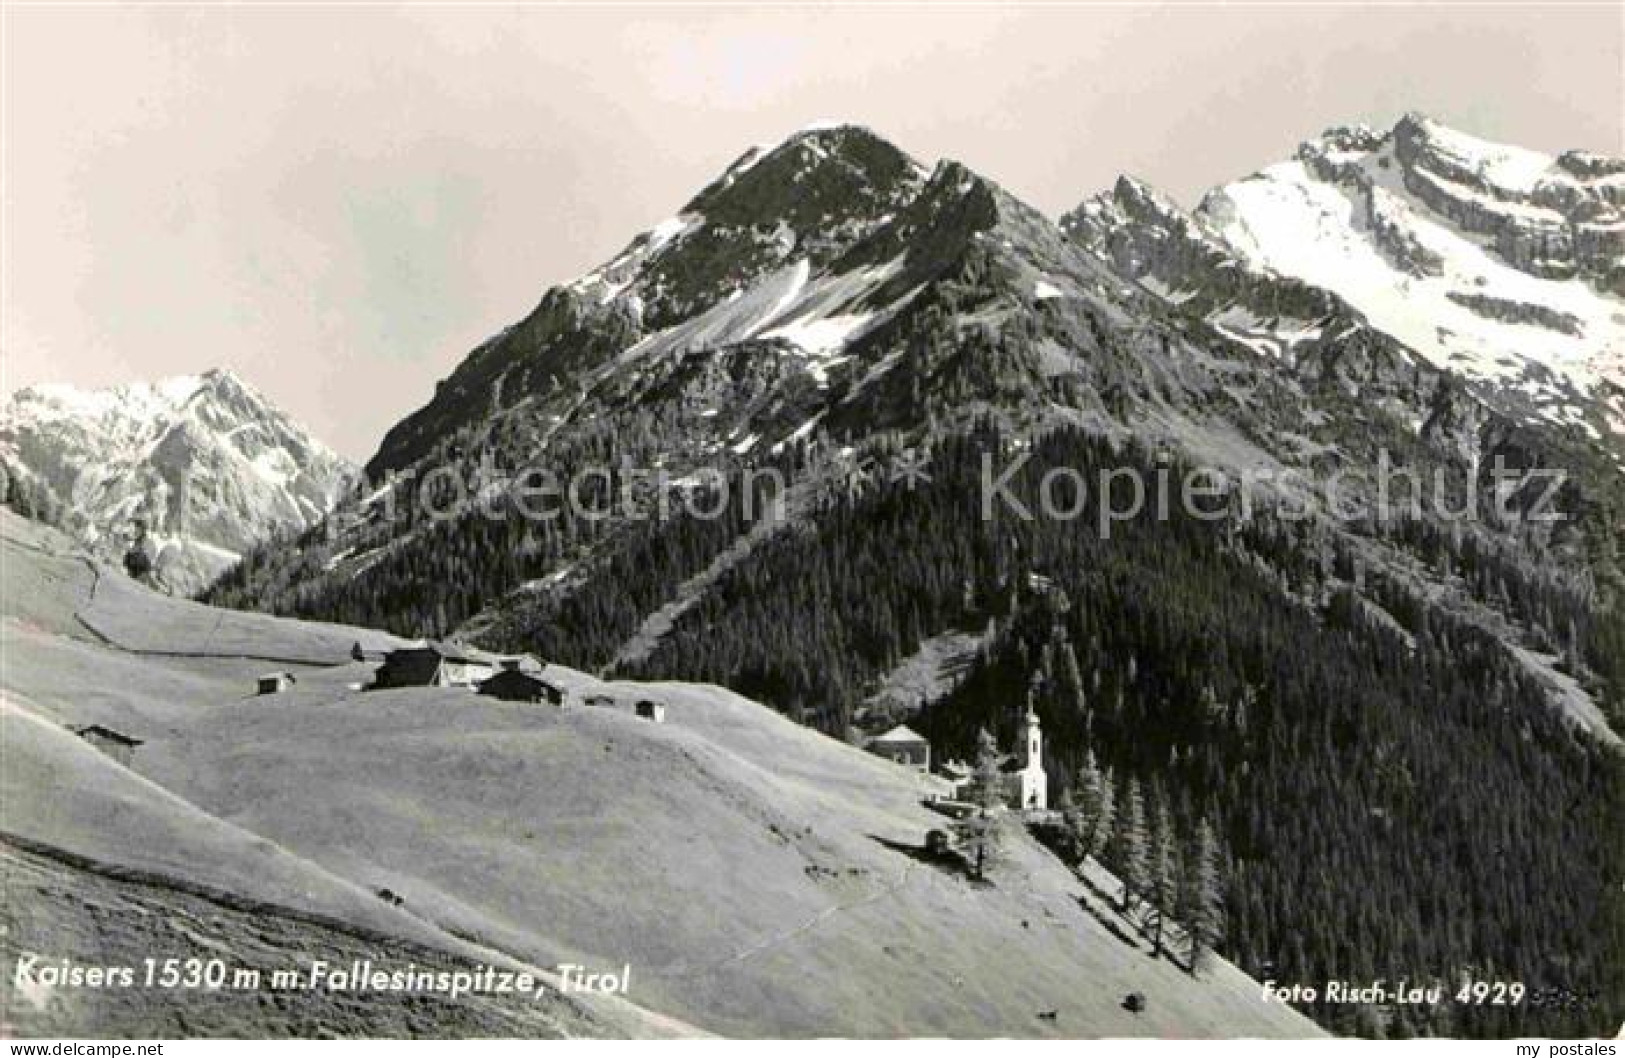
(1023, 786)
(1026, 787)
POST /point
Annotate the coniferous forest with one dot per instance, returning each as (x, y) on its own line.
(1395, 802)
(1161, 591)
(1394, 797)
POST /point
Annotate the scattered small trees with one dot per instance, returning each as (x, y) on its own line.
(1167, 878)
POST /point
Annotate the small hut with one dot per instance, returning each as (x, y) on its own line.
(276, 682)
(516, 685)
(115, 744)
(647, 710)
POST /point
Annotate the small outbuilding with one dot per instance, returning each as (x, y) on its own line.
(115, 744)
(276, 682)
(648, 710)
(957, 772)
(903, 745)
(516, 685)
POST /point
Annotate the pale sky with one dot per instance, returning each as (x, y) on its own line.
(339, 203)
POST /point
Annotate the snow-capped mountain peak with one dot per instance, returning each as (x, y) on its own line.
(205, 462)
(1502, 264)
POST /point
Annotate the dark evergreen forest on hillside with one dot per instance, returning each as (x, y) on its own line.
(1395, 796)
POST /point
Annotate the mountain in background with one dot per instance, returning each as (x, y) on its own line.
(206, 464)
(1337, 693)
(1502, 265)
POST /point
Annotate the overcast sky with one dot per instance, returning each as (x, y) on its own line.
(338, 204)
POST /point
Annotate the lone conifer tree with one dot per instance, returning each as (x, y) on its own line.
(981, 833)
(1130, 847)
(1092, 816)
(1203, 898)
(1108, 813)
(1164, 869)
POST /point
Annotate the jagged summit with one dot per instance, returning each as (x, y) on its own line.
(173, 392)
(812, 195)
(1555, 218)
(804, 241)
(819, 140)
(1502, 264)
(206, 461)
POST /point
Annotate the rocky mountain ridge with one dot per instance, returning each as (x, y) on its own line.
(1501, 265)
(205, 463)
(834, 391)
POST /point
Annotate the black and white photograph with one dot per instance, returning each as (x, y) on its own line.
(812, 521)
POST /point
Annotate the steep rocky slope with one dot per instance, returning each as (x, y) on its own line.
(1500, 264)
(205, 463)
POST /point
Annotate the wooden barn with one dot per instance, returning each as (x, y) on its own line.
(115, 744)
(513, 684)
(436, 665)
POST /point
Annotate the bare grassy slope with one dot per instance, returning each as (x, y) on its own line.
(76, 828)
(121, 612)
(53, 585)
(95, 918)
(758, 877)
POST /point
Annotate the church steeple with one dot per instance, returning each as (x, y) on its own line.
(1031, 782)
(1034, 752)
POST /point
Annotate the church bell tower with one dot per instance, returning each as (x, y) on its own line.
(1034, 783)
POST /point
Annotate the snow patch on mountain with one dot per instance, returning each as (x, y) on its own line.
(822, 337)
(609, 281)
(1288, 220)
(207, 465)
(1493, 261)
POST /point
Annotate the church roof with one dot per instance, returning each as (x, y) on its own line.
(900, 733)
